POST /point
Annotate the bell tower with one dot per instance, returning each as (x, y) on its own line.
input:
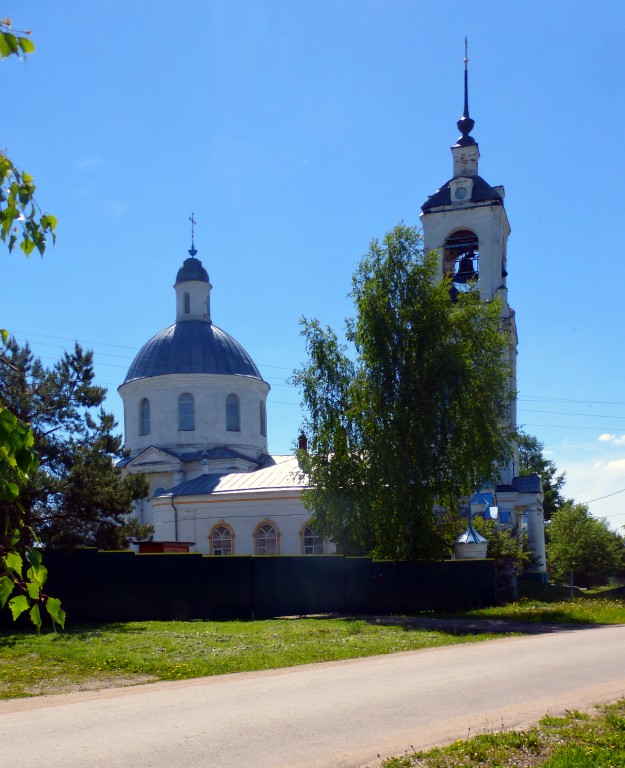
(465, 221)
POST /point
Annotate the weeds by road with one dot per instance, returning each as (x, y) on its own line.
(574, 741)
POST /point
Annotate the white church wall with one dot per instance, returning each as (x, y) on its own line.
(209, 393)
(243, 513)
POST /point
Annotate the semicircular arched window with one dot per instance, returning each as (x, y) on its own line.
(266, 540)
(233, 414)
(222, 540)
(312, 543)
(144, 417)
(186, 413)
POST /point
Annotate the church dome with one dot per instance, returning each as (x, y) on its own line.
(192, 269)
(191, 346)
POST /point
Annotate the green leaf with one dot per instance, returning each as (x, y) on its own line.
(34, 557)
(18, 605)
(35, 616)
(6, 588)
(37, 575)
(27, 246)
(26, 44)
(13, 562)
(48, 222)
(53, 606)
(4, 334)
(13, 490)
(34, 590)
(5, 48)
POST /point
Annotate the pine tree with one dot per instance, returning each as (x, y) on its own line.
(77, 497)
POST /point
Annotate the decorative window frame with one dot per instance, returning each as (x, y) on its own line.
(266, 521)
(221, 524)
(302, 533)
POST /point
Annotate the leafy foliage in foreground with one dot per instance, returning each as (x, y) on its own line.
(100, 655)
(21, 220)
(573, 741)
(22, 573)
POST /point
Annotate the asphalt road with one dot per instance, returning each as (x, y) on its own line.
(321, 715)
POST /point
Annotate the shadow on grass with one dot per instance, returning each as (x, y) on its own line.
(478, 626)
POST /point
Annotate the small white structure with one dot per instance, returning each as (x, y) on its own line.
(470, 545)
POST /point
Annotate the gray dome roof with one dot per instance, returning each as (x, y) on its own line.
(191, 346)
(192, 269)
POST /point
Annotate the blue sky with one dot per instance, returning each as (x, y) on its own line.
(297, 132)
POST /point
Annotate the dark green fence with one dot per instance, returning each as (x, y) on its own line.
(124, 586)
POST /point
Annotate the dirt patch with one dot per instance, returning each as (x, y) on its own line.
(43, 688)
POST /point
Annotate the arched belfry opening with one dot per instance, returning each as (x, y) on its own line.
(461, 255)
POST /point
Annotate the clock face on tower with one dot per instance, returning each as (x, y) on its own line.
(460, 193)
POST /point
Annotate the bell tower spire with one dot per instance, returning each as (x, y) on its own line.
(465, 151)
(465, 124)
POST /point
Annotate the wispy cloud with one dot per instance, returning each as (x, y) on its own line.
(88, 163)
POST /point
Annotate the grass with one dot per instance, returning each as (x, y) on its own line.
(133, 652)
(576, 740)
(584, 610)
(129, 653)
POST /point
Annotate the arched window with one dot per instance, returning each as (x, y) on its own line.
(144, 417)
(222, 540)
(312, 544)
(233, 416)
(461, 260)
(186, 413)
(266, 540)
(263, 418)
(187, 304)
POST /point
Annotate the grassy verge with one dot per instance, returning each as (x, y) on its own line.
(128, 653)
(135, 652)
(574, 741)
(586, 610)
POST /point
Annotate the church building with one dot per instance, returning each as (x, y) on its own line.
(196, 425)
(195, 402)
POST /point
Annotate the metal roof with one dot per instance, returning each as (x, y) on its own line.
(192, 269)
(277, 473)
(527, 484)
(191, 346)
(482, 192)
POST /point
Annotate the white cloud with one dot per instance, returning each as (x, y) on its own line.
(615, 466)
(606, 437)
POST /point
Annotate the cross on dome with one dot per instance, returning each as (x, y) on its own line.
(192, 253)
